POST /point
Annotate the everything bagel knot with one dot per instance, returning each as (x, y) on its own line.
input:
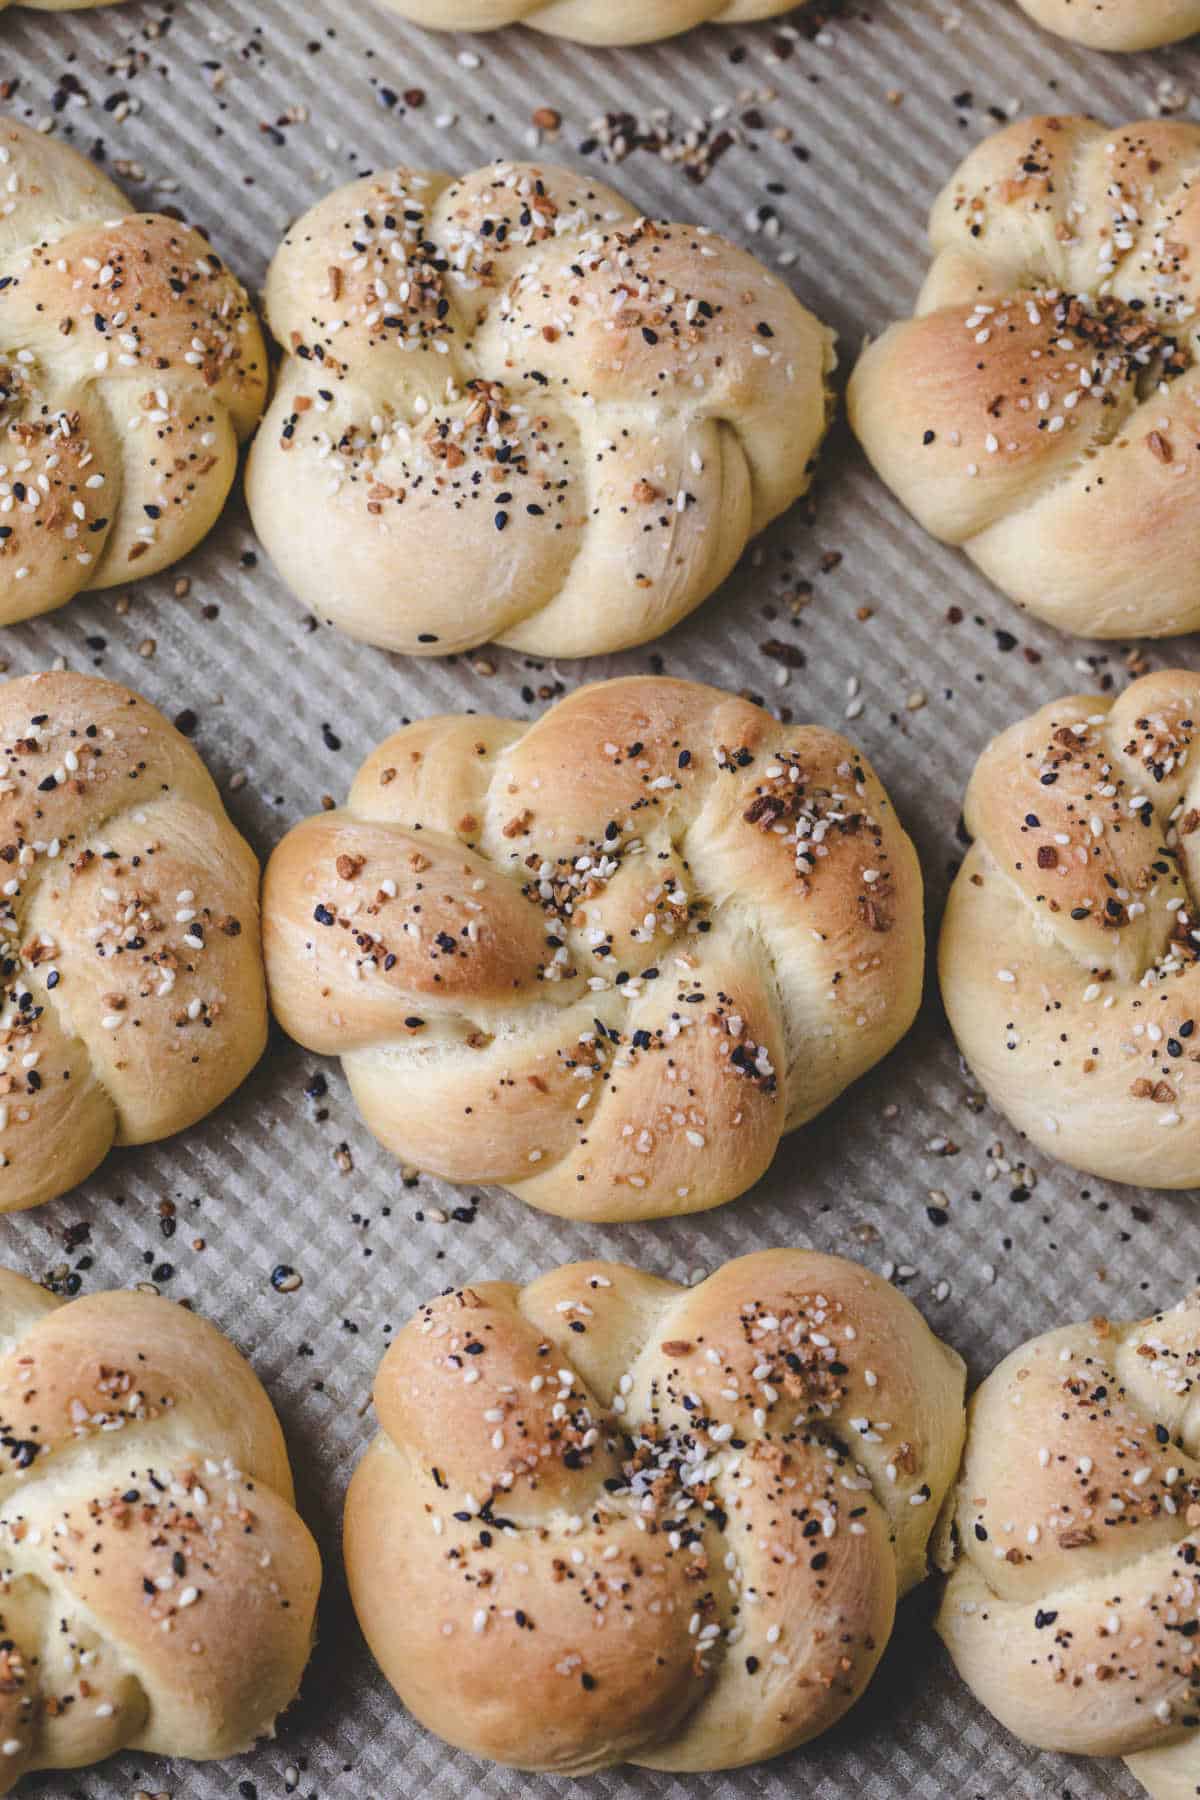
(607, 959)
(157, 1588)
(1042, 410)
(608, 1518)
(590, 21)
(1118, 24)
(131, 365)
(132, 998)
(1074, 1608)
(521, 412)
(1070, 953)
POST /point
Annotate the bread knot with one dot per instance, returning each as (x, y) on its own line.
(131, 365)
(1042, 409)
(608, 1518)
(1072, 1612)
(522, 412)
(157, 1587)
(1070, 951)
(1118, 24)
(608, 959)
(132, 999)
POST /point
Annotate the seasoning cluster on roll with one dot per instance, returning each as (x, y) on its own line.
(512, 409)
(607, 959)
(612, 1519)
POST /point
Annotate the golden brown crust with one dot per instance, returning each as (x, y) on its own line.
(157, 1588)
(1073, 1608)
(522, 413)
(1040, 410)
(1069, 949)
(133, 999)
(133, 366)
(1118, 24)
(630, 1513)
(606, 961)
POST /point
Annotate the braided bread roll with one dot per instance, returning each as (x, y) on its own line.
(1070, 942)
(590, 21)
(158, 1588)
(608, 959)
(1118, 24)
(132, 366)
(1073, 1608)
(133, 999)
(610, 1519)
(1041, 410)
(509, 408)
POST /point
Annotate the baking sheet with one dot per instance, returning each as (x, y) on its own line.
(241, 113)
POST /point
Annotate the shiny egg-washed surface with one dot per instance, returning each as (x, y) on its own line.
(241, 117)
